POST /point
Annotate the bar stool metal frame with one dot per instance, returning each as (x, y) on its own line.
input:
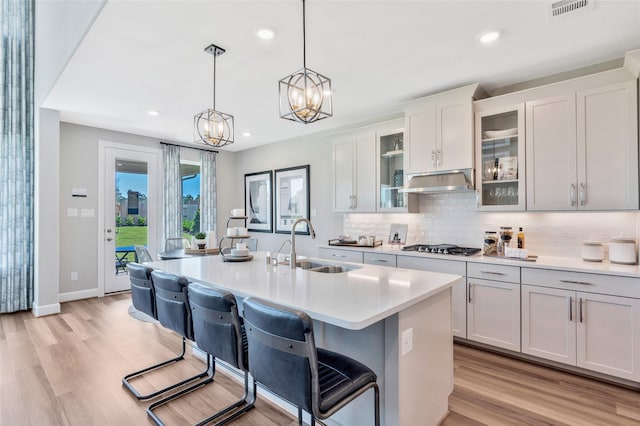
(219, 331)
(284, 358)
(175, 291)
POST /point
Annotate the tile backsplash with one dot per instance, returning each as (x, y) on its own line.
(452, 218)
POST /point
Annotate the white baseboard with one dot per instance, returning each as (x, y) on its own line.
(77, 295)
(40, 311)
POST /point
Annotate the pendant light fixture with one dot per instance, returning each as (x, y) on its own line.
(213, 127)
(305, 95)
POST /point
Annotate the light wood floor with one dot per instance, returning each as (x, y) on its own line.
(66, 370)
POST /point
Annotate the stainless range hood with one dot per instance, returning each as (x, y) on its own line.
(441, 181)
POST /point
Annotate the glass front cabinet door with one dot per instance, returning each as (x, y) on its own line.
(500, 174)
(391, 169)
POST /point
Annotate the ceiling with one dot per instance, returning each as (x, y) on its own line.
(149, 55)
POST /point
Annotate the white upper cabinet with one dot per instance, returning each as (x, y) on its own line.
(354, 172)
(439, 131)
(582, 150)
(500, 152)
(608, 147)
(551, 153)
(390, 167)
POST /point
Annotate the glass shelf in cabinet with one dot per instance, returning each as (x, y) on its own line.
(500, 138)
(393, 153)
(491, 182)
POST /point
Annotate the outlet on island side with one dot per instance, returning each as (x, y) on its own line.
(407, 341)
(74, 276)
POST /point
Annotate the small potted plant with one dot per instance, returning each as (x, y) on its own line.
(201, 241)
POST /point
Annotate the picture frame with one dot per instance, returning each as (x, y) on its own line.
(258, 202)
(292, 200)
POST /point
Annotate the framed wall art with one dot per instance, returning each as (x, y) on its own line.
(292, 199)
(257, 201)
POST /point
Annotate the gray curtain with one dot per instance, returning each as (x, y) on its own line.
(172, 193)
(17, 156)
(208, 194)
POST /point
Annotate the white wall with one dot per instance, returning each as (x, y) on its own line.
(315, 150)
(59, 28)
(79, 155)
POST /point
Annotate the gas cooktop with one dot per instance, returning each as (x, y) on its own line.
(442, 249)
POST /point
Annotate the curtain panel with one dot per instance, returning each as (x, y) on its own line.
(172, 193)
(17, 156)
(208, 194)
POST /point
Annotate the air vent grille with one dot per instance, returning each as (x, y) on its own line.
(560, 9)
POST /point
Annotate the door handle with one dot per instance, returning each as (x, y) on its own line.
(109, 239)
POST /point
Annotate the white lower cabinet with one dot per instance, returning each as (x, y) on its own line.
(493, 313)
(458, 291)
(608, 335)
(549, 323)
(594, 331)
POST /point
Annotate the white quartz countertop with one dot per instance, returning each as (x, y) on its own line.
(542, 262)
(352, 300)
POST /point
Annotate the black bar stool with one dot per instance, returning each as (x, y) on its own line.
(218, 331)
(284, 358)
(171, 308)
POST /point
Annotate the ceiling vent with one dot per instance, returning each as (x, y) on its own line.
(565, 8)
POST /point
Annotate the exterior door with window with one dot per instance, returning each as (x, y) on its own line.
(129, 212)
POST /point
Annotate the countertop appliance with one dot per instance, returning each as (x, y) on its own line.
(442, 249)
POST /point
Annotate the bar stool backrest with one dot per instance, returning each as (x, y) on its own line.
(217, 327)
(282, 352)
(142, 294)
(143, 254)
(172, 303)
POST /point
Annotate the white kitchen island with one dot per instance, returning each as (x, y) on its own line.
(363, 313)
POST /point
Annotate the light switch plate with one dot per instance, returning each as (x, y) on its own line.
(72, 212)
(87, 212)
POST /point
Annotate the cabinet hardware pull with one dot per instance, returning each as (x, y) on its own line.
(379, 260)
(492, 273)
(575, 282)
(470, 289)
(433, 158)
(338, 255)
(570, 308)
(438, 158)
(583, 193)
(580, 302)
(572, 194)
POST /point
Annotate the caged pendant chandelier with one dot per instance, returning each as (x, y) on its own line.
(213, 127)
(305, 95)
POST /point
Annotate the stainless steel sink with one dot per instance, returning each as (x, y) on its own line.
(325, 268)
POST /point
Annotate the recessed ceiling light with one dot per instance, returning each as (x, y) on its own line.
(153, 113)
(266, 33)
(488, 37)
(247, 134)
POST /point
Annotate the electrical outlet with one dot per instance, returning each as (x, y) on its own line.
(74, 276)
(407, 341)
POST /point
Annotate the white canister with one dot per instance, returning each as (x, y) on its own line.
(623, 250)
(237, 212)
(232, 231)
(592, 251)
